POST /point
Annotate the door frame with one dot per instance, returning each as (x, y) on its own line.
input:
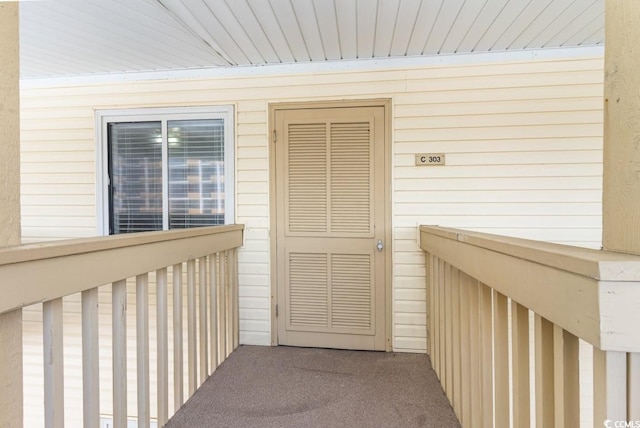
(385, 103)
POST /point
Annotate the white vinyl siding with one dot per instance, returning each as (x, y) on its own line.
(523, 145)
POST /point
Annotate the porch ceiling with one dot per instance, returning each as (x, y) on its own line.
(83, 37)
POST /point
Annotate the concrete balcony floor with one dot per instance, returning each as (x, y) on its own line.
(302, 387)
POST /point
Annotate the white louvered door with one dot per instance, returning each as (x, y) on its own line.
(330, 217)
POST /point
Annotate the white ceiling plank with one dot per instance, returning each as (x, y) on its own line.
(520, 24)
(308, 22)
(254, 29)
(405, 26)
(556, 21)
(550, 20)
(289, 26)
(503, 21)
(347, 33)
(326, 16)
(235, 29)
(366, 22)
(264, 12)
(446, 19)
(387, 18)
(197, 25)
(427, 16)
(468, 16)
(588, 14)
(481, 26)
(198, 15)
(150, 26)
(592, 33)
(83, 34)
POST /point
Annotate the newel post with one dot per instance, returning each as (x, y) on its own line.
(616, 385)
(10, 323)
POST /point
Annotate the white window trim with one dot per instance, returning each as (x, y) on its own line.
(104, 117)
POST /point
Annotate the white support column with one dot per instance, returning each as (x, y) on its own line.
(621, 199)
(11, 413)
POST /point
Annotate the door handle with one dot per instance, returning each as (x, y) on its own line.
(380, 246)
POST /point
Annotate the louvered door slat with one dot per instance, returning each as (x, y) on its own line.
(351, 181)
(307, 168)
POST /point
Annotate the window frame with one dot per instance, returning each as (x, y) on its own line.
(161, 114)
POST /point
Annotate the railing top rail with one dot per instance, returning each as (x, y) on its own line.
(596, 264)
(593, 294)
(41, 272)
(69, 247)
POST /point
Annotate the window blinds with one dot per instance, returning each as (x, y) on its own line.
(135, 151)
(196, 173)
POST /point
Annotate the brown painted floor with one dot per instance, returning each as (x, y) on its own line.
(301, 387)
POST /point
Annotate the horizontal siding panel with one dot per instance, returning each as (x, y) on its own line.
(506, 107)
(513, 158)
(542, 170)
(500, 183)
(507, 119)
(503, 145)
(505, 196)
(489, 93)
(501, 132)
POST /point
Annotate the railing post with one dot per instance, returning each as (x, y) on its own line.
(90, 357)
(178, 383)
(609, 386)
(202, 300)
(53, 364)
(119, 314)
(520, 368)
(11, 369)
(142, 339)
(213, 314)
(192, 354)
(162, 346)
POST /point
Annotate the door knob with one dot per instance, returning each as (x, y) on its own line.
(380, 246)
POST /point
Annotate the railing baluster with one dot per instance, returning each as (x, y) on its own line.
(486, 353)
(501, 359)
(520, 369)
(633, 377)
(213, 316)
(235, 292)
(441, 323)
(142, 346)
(90, 357)
(178, 381)
(566, 378)
(465, 351)
(191, 326)
(11, 381)
(162, 345)
(53, 364)
(223, 304)
(545, 413)
(609, 386)
(435, 317)
(476, 352)
(429, 316)
(202, 300)
(455, 329)
(119, 357)
(448, 334)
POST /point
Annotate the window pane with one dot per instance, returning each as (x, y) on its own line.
(196, 173)
(135, 168)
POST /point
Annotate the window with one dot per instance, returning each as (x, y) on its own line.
(162, 169)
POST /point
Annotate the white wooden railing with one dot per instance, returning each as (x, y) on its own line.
(487, 295)
(45, 273)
